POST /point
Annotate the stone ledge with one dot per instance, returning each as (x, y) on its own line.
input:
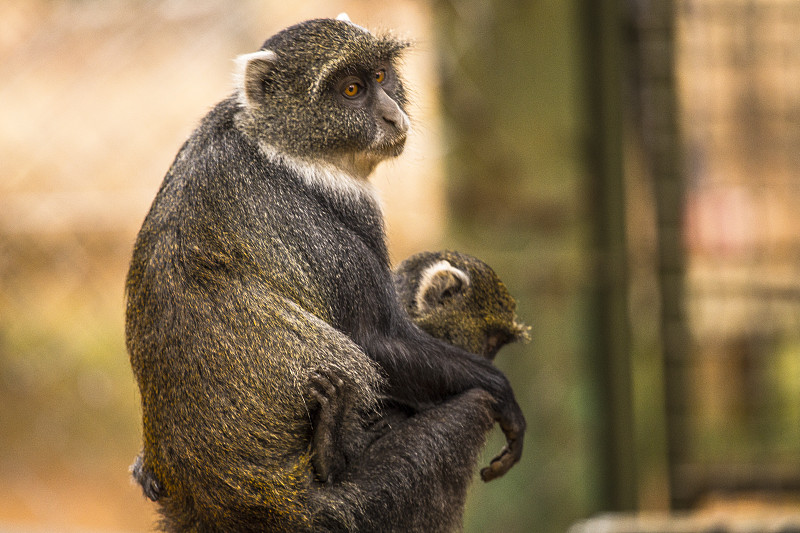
(689, 523)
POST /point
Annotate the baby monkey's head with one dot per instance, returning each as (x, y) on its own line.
(459, 298)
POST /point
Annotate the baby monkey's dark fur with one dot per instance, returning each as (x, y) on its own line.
(261, 271)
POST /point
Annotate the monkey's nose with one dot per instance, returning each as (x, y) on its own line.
(398, 119)
(392, 114)
(400, 122)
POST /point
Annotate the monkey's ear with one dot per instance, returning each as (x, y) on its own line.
(522, 332)
(252, 72)
(438, 284)
(343, 16)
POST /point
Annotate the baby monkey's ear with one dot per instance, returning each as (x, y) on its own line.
(252, 75)
(438, 284)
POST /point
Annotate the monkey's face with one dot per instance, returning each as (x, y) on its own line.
(328, 89)
(372, 99)
(459, 298)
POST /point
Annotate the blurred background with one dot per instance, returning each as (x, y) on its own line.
(630, 168)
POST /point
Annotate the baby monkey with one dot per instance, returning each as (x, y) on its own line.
(457, 298)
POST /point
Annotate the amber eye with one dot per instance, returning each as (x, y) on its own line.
(380, 76)
(352, 90)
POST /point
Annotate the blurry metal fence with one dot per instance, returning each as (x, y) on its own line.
(732, 346)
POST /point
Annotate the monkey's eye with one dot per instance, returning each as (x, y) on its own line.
(380, 76)
(351, 90)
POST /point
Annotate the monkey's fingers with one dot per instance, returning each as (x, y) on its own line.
(501, 464)
(514, 429)
(495, 469)
(326, 383)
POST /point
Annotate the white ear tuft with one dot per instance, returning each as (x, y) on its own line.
(344, 17)
(243, 63)
(243, 60)
(436, 282)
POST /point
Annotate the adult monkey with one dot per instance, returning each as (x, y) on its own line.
(262, 268)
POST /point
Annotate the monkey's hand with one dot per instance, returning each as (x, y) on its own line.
(328, 390)
(513, 425)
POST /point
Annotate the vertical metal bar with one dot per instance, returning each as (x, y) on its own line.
(612, 363)
(657, 125)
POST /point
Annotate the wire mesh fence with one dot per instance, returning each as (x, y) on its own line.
(738, 72)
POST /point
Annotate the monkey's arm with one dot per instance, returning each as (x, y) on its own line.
(423, 370)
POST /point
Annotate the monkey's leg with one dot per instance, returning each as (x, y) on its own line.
(340, 430)
(422, 370)
(415, 476)
(327, 455)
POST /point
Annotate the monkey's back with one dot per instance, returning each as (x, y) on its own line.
(230, 309)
